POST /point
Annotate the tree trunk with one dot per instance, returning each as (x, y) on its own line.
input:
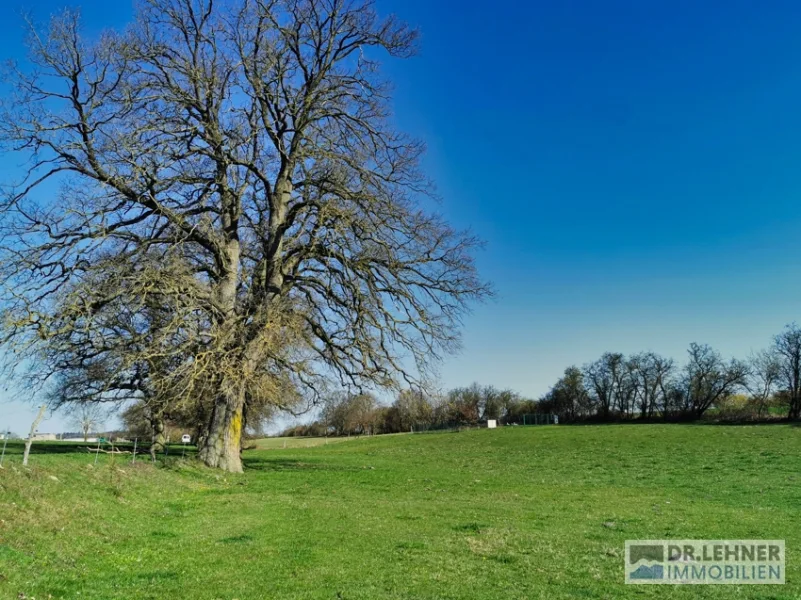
(222, 446)
(200, 436)
(29, 441)
(158, 440)
(795, 409)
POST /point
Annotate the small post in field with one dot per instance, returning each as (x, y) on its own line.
(29, 441)
(133, 461)
(97, 453)
(5, 441)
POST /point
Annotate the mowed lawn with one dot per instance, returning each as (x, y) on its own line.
(535, 512)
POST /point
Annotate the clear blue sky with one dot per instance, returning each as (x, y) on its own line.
(635, 168)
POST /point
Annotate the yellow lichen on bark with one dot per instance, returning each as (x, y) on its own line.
(235, 428)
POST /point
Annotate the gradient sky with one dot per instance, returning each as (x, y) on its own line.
(634, 167)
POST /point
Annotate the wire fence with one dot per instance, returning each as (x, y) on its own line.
(127, 451)
(540, 419)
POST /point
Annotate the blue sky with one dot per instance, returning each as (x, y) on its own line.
(634, 167)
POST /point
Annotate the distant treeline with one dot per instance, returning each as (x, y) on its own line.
(647, 386)
(359, 414)
(642, 387)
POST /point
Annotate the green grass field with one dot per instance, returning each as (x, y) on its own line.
(513, 513)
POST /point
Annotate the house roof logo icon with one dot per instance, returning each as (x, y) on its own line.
(649, 552)
(646, 572)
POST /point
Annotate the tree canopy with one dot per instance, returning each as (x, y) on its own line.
(218, 208)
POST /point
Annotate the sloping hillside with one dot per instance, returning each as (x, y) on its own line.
(537, 512)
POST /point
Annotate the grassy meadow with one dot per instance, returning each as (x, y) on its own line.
(285, 443)
(513, 513)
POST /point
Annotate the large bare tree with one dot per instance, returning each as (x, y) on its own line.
(87, 418)
(605, 379)
(235, 162)
(653, 375)
(708, 379)
(787, 346)
(764, 377)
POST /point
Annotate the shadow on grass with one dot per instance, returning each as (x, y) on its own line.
(762, 423)
(469, 527)
(280, 464)
(237, 539)
(696, 422)
(163, 535)
(16, 448)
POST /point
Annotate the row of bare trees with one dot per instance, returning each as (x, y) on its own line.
(644, 386)
(415, 410)
(217, 217)
(648, 386)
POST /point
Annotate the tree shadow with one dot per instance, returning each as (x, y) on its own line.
(17, 448)
(678, 421)
(281, 464)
